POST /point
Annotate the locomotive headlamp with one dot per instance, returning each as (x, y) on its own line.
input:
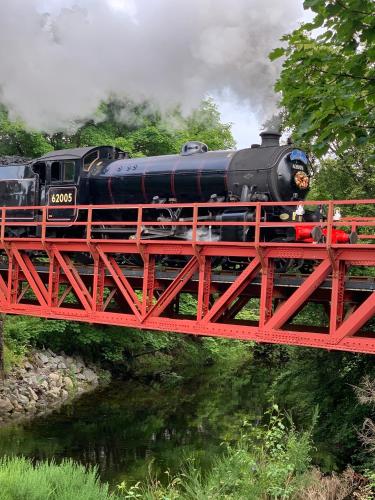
(300, 210)
(337, 215)
(302, 180)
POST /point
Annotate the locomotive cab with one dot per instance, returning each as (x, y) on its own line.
(63, 177)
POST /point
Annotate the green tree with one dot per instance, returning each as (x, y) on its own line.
(138, 129)
(328, 80)
(204, 124)
(15, 139)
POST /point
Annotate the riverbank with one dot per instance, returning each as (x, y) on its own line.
(43, 382)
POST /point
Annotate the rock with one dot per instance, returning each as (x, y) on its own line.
(90, 376)
(64, 394)
(78, 364)
(33, 380)
(41, 359)
(69, 360)
(53, 393)
(68, 383)
(44, 384)
(5, 405)
(23, 400)
(28, 366)
(17, 407)
(44, 358)
(13, 398)
(41, 404)
(33, 394)
(54, 379)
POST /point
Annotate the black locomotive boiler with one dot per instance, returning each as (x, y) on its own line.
(106, 175)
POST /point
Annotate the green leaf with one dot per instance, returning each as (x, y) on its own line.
(276, 53)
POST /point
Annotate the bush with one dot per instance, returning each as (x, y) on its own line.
(267, 462)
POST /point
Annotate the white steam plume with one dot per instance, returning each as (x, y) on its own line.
(57, 64)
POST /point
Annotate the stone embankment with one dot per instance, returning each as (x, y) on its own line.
(43, 383)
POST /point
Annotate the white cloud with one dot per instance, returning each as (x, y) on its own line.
(53, 74)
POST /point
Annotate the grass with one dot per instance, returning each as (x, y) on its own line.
(11, 359)
(21, 480)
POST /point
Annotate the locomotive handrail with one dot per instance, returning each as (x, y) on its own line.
(228, 204)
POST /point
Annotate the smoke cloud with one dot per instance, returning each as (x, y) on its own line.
(60, 58)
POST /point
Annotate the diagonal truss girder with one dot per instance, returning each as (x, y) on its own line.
(146, 302)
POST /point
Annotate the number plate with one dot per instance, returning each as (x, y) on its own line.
(61, 196)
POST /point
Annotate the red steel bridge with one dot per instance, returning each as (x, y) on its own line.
(122, 280)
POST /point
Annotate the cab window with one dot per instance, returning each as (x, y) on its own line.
(40, 169)
(89, 160)
(69, 170)
(56, 171)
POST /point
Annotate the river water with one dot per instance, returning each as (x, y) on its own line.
(128, 425)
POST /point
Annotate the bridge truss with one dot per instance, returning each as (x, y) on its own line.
(121, 280)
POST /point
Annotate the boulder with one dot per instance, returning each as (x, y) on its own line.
(53, 393)
(41, 359)
(5, 405)
(44, 357)
(28, 366)
(54, 379)
(69, 360)
(90, 376)
(33, 394)
(44, 384)
(23, 400)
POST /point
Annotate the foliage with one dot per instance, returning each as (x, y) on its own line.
(268, 462)
(136, 129)
(347, 485)
(11, 359)
(204, 125)
(140, 352)
(327, 80)
(15, 139)
(22, 332)
(20, 479)
(313, 377)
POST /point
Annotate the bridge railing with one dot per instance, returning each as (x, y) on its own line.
(199, 222)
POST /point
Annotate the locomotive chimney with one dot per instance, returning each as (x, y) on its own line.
(270, 138)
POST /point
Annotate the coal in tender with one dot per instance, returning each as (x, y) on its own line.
(13, 160)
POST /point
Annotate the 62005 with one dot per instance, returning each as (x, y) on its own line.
(62, 198)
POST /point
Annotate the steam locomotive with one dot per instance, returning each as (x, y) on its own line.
(106, 175)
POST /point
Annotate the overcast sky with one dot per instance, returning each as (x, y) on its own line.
(225, 47)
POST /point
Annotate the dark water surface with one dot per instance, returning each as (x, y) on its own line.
(123, 427)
